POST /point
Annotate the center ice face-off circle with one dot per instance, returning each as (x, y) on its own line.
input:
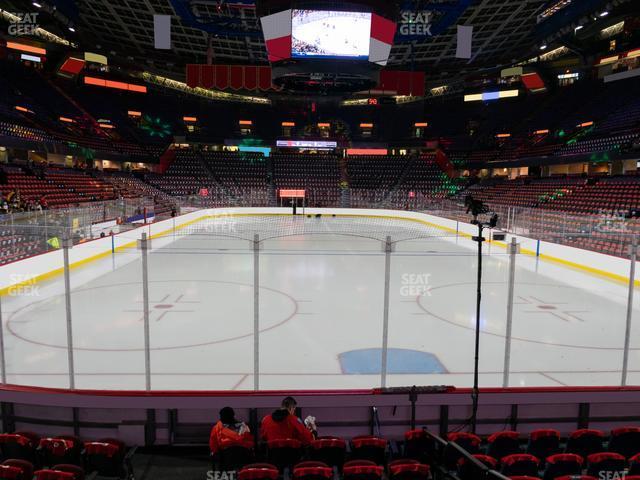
(183, 317)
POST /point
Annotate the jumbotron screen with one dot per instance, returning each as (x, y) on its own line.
(330, 34)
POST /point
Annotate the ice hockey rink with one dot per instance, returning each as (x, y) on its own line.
(321, 310)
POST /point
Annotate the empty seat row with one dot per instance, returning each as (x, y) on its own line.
(108, 457)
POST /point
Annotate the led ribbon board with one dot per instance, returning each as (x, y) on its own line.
(306, 143)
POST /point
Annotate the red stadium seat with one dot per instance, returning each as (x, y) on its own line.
(233, 456)
(362, 470)
(60, 450)
(522, 464)
(468, 441)
(586, 441)
(468, 471)
(407, 469)
(368, 447)
(50, 474)
(330, 450)
(284, 453)
(606, 463)
(258, 471)
(76, 471)
(106, 457)
(577, 477)
(419, 446)
(19, 445)
(312, 470)
(634, 465)
(16, 469)
(625, 441)
(544, 443)
(503, 443)
(562, 464)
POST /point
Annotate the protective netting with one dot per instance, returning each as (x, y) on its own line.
(279, 226)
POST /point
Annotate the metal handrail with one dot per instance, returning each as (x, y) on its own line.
(485, 471)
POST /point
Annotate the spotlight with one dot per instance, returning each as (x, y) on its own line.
(36, 4)
(604, 14)
(543, 47)
(71, 29)
(579, 27)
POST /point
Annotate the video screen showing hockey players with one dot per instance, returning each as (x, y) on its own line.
(330, 34)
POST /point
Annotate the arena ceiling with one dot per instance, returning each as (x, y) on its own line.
(503, 32)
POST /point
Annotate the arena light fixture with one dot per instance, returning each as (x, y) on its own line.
(367, 151)
(607, 60)
(421, 124)
(30, 58)
(190, 119)
(366, 125)
(102, 82)
(26, 48)
(633, 53)
(246, 123)
(288, 124)
(487, 96)
(324, 125)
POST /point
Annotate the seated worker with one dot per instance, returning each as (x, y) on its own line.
(283, 423)
(229, 431)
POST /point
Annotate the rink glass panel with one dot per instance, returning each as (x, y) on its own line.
(35, 325)
(433, 311)
(568, 325)
(322, 290)
(200, 307)
(106, 300)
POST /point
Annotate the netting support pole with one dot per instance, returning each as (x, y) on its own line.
(3, 372)
(633, 253)
(67, 243)
(143, 245)
(46, 233)
(513, 248)
(385, 318)
(256, 312)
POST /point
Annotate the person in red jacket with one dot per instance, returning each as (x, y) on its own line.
(283, 423)
(229, 431)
